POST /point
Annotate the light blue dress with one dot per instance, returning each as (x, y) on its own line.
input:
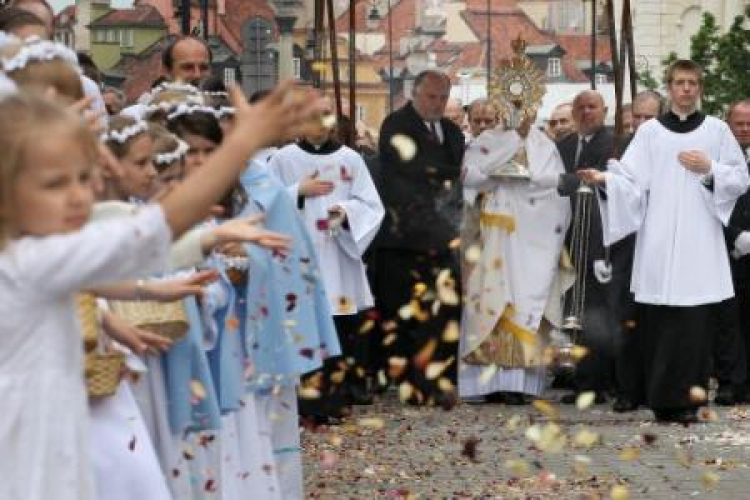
(287, 320)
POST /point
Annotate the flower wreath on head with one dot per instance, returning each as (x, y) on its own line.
(126, 133)
(168, 106)
(223, 111)
(191, 90)
(170, 157)
(37, 50)
(186, 108)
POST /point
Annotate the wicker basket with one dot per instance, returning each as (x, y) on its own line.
(168, 319)
(86, 309)
(103, 374)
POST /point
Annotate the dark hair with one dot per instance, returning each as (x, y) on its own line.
(89, 67)
(213, 83)
(197, 123)
(684, 65)
(167, 56)
(13, 18)
(207, 126)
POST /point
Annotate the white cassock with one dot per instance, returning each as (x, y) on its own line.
(514, 285)
(340, 254)
(680, 256)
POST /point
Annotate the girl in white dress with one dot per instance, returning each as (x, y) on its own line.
(47, 255)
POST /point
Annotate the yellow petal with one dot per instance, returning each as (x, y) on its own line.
(405, 146)
(546, 408)
(619, 492)
(585, 438)
(451, 332)
(585, 400)
(371, 422)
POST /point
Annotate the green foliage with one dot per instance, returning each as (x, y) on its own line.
(725, 60)
(646, 79)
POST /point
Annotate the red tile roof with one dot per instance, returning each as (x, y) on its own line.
(140, 16)
(66, 17)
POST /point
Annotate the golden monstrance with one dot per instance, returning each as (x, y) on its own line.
(516, 89)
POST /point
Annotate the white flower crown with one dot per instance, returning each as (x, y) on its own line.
(223, 111)
(36, 50)
(172, 156)
(186, 108)
(121, 136)
(149, 96)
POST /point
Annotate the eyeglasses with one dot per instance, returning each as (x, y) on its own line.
(561, 121)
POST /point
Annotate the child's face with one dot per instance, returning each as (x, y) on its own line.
(200, 148)
(53, 192)
(139, 174)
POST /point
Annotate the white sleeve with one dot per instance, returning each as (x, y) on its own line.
(491, 149)
(624, 207)
(364, 210)
(275, 168)
(730, 174)
(102, 252)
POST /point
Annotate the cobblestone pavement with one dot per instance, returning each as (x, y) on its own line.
(484, 451)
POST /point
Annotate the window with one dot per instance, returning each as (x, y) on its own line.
(126, 38)
(297, 71)
(554, 67)
(111, 36)
(259, 64)
(360, 113)
(98, 36)
(229, 76)
(567, 16)
(601, 79)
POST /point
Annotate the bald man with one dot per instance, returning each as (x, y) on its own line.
(592, 147)
(187, 59)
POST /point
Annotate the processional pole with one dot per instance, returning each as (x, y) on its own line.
(568, 354)
(334, 56)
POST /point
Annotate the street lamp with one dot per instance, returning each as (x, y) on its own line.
(373, 20)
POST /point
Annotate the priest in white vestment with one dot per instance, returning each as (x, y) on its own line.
(342, 212)
(675, 187)
(513, 296)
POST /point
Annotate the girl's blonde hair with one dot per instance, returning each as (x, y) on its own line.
(164, 142)
(39, 75)
(119, 123)
(23, 120)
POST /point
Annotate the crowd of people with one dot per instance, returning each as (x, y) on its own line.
(290, 269)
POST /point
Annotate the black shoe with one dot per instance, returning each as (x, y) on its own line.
(495, 397)
(624, 405)
(515, 399)
(725, 396)
(685, 416)
(358, 395)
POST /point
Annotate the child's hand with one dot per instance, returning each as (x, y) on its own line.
(176, 289)
(136, 339)
(250, 230)
(312, 186)
(276, 118)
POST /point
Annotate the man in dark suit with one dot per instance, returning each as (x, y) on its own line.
(423, 208)
(592, 147)
(732, 316)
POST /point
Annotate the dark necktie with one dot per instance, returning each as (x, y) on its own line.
(579, 149)
(434, 132)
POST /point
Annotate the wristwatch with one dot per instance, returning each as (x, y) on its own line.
(708, 180)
